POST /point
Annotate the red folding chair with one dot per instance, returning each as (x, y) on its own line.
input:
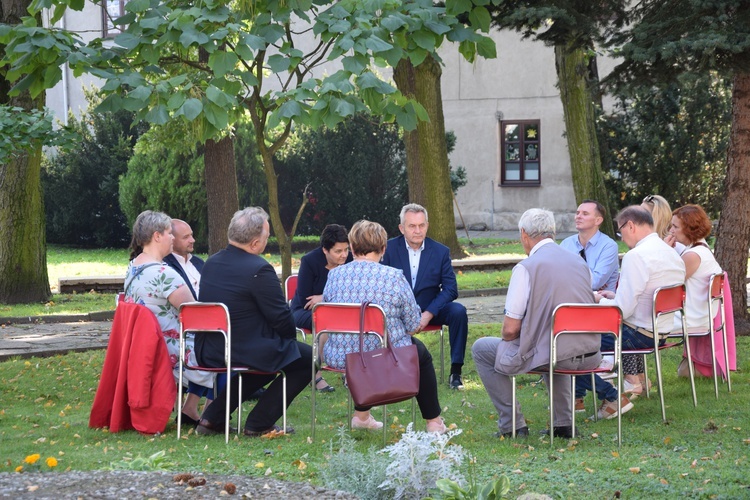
(715, 306)
(441, 330)
(290, 288)
(667, 300)
(340, 318)
(572, 319)
(213, 317)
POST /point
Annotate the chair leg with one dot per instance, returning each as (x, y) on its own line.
(660, 384)
(573, 402)
(726, 349)
(691, 369)
(593, 398)
(713, 362)
(513, 401)
(385, 425)
(442, 354)
(283, 398)
(551, 406)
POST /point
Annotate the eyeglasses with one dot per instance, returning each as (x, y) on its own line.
(619, 234)
(649, 199)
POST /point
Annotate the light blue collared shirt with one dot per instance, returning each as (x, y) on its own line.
(601, 256)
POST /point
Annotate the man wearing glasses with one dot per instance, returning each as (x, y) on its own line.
(596, 248)
(650, 264)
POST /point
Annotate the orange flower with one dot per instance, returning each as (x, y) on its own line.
(19, 468)
(31, 459)
(51, 462)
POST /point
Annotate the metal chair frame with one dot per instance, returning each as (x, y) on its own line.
(335, 318)
(667, 300)
(715, 300)
(441, 330)
(290, 288)
(576, 319)
(213, 317)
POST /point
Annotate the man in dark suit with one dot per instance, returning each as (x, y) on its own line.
(263, 332)
(181, 259)
(427, 267)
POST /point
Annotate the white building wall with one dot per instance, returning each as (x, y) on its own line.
(520, 84)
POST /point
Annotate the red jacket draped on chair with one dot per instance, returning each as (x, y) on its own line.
(137, 388)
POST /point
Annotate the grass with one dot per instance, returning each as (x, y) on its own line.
(699, 453)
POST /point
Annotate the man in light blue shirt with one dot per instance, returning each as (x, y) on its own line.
(598, 250)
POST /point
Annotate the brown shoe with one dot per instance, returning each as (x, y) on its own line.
(580, 405)
(274, 428)
(608, 409)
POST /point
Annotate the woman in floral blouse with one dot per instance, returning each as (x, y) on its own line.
(152, 283)
(365, 279)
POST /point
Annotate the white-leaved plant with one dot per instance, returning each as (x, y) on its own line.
(419, 459)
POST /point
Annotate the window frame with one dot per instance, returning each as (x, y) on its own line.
(112, 32)
(522, 143)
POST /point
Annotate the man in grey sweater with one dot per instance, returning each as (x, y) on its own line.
(549, 277)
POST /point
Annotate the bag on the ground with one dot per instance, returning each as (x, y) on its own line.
(384, 375)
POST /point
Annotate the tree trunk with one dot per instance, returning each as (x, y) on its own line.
(284, 240)
(221, 190)
(733, 236)
(23, 246)
(427, 165)
(578, 95)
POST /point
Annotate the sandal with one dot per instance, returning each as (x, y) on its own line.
(327, 388)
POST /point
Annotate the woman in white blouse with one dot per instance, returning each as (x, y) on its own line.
(690, 227)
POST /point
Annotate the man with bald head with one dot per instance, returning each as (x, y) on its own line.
(181, 259)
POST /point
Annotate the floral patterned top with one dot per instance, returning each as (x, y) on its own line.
(152, 287)
(386, 286)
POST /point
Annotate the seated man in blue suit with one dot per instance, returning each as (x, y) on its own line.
(427, 267)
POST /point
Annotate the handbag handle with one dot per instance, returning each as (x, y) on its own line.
(362, 313)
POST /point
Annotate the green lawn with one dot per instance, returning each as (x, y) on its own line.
(699, 453)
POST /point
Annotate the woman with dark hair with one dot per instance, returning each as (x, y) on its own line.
(365, 279)
(312, 277)
(690, 227)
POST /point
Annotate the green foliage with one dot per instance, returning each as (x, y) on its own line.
(451, 490)
(167, 173)
(81, 183)
(24, 130)
(351, 470)
(458, 175)
(670, 140)
(354, 171)
(670, 37)
(561, 22)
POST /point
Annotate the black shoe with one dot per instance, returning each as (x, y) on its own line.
(206, 428)
(455, 382)
(257, 394)
(523, 432)
(188, 420)
(565, 431)
(327, 388)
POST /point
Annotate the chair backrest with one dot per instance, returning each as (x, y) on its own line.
(586, 318)
(204, 317)
(716, 286)
(290, 287)
(344, 318)
(669, 299)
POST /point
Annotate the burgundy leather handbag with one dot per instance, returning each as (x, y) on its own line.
(381, 376)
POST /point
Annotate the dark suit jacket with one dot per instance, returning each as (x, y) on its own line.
(174, 264)
(263, 333)
(436, 282)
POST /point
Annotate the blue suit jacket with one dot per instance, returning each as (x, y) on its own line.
(436, 281)
(174, 264)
